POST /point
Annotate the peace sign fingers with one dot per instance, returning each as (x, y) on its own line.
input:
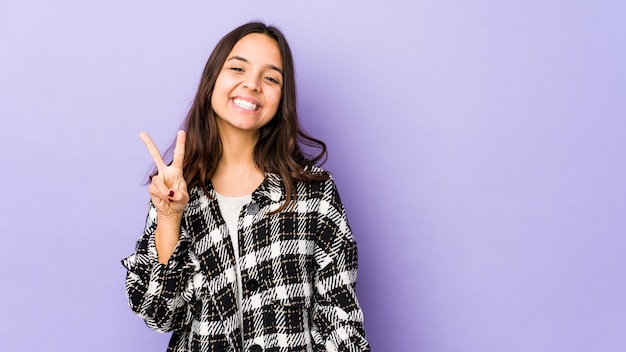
(154, 151)
(168, 189)
(179, 149)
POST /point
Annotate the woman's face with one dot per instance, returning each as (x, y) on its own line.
(248, 89)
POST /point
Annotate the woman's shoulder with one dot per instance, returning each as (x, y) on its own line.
(319, 179)
(317, 175)
(316, 170)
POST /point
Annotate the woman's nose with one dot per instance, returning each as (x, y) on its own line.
(252, 83)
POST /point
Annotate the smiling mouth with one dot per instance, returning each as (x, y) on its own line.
(244, 104)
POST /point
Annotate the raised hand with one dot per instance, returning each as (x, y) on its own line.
(168, 189)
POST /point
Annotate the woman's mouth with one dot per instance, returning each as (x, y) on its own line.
(245, 104)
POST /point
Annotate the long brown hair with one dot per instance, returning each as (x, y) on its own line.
(279, 148)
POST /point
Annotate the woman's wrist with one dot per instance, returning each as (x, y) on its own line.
(166, 235)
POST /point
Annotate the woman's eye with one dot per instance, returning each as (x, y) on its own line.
(237, 69)
(273, 80)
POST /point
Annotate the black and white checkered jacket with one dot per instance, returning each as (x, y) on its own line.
(298, 269)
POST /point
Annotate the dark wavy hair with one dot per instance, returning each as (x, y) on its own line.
(279, 149)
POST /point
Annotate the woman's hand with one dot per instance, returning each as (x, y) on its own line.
(168, 189)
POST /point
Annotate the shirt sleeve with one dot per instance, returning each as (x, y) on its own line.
(337, 316)
(156, 292)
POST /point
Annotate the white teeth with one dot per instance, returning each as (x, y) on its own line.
(245, 104)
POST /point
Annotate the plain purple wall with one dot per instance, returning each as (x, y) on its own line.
(479, 147)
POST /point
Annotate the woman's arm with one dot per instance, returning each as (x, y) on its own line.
(158, 271)
(166, 236)
(159, 292)
(337, 315)
(169, 195)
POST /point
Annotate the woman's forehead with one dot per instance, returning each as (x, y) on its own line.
(257, 48)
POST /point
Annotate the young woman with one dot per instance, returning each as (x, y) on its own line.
(246, 246)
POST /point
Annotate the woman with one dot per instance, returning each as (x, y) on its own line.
(247, 246)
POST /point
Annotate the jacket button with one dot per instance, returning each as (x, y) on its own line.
(252, 285)
(255, 348)
(253, 208)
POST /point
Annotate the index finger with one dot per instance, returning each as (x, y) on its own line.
(153, 150)
(179, 149)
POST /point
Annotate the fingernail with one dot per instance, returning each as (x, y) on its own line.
(171, 194)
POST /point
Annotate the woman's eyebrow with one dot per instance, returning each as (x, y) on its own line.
(243, 59)
(276, 69)
(237, 58)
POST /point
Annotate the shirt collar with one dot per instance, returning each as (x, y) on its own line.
(271, 190)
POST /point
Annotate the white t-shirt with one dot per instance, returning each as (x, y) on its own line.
(230, 207)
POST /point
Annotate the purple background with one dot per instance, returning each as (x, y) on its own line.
(479, 147)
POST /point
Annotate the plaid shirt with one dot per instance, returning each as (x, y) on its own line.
(298, 269)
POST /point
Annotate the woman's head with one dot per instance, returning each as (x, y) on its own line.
(279, 136)
(248, 89)
(220, 55)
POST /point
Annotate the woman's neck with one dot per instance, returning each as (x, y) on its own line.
(237, 174)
